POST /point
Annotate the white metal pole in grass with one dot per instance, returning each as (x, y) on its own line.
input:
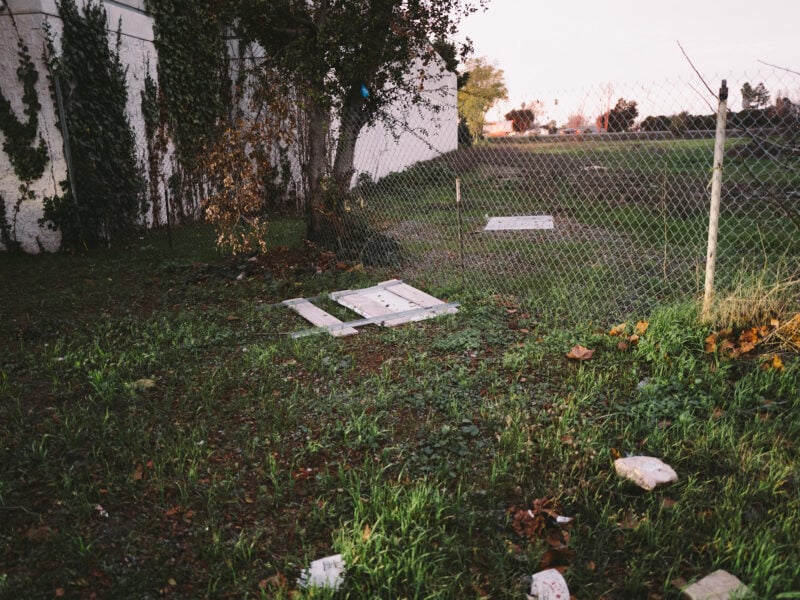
(460, 228)
(716, 190)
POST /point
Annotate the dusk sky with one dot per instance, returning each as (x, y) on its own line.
(569, 51)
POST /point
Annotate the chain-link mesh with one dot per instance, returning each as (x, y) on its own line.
(629, 210)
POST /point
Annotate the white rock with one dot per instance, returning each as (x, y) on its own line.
(548, 585)
(645, 471)
(720, 585)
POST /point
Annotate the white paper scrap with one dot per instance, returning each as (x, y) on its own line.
(326, 572)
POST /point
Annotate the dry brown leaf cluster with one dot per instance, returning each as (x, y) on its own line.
(732, 344)
(629, 339)
(541, 521)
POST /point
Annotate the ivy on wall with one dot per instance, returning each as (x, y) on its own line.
(105, 173)
(193, 85)
(27, 158)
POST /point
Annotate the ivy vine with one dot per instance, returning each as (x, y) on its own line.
(193, 84)
(105, 172)
(28, 158)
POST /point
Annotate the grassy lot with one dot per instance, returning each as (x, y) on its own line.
(635, 212)
(163, 436)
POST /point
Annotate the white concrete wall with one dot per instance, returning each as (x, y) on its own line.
(412, 134)
(137, 53)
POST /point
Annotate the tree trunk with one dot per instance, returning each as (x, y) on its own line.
(318, 126)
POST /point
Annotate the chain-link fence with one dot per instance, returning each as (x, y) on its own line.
(619, 219)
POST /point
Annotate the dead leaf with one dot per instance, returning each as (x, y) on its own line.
(619, 329)
(367, 533)
(615, 454)
(641, 327)
(634, 339)
(749, 336)
(138, 472)
(143, 385)
(775, 323)
(718, 412)
(590, 566)
(171, 512)
(630, 520)
(746, 347)
(774, 363)
(711, 343)
(556, 557)
(622, 345)
(578, 352)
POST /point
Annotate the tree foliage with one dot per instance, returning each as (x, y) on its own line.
(521, 118)
(755, 98)
(620, 118)
(351, 59)
(484, 86)
(105, 171)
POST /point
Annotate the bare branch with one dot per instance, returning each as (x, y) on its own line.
(777, 67)
(691, 64)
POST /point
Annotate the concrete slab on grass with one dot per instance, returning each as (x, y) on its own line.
(720, 585)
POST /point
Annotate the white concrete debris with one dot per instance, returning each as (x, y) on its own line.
(549, 585)
(326, 572)
(720, 585)
(645, 471)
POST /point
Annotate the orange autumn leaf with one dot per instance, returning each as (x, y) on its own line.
(367, 533)
(634, 339)
(619, 329)
(578, 352)
(641, 327)
(774, 363)
(749, 336)
(746, 347)
(711, 343)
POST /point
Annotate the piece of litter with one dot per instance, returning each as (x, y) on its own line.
(325, 572)
(645, 471)
(549, 585)
(563, 520)
(101, 511)
(719, 585)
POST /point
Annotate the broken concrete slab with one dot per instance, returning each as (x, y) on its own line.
(719, 585)
(548, 585)
(647, 472)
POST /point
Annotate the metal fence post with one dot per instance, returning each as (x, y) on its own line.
(716, 190)
(460, 228)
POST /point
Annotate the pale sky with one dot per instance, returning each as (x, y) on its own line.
(570, 50)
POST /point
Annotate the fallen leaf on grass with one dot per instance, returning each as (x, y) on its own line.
(578, 352)
(619, 329)
(641, 327)
(622, 345)
(773, 363)
(711, 343)
(142, 385)
(367, 533)
(138, 473)
(556, 558)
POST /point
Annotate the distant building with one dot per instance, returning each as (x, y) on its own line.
(498, 129)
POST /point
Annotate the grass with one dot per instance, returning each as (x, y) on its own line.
(403, 449)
